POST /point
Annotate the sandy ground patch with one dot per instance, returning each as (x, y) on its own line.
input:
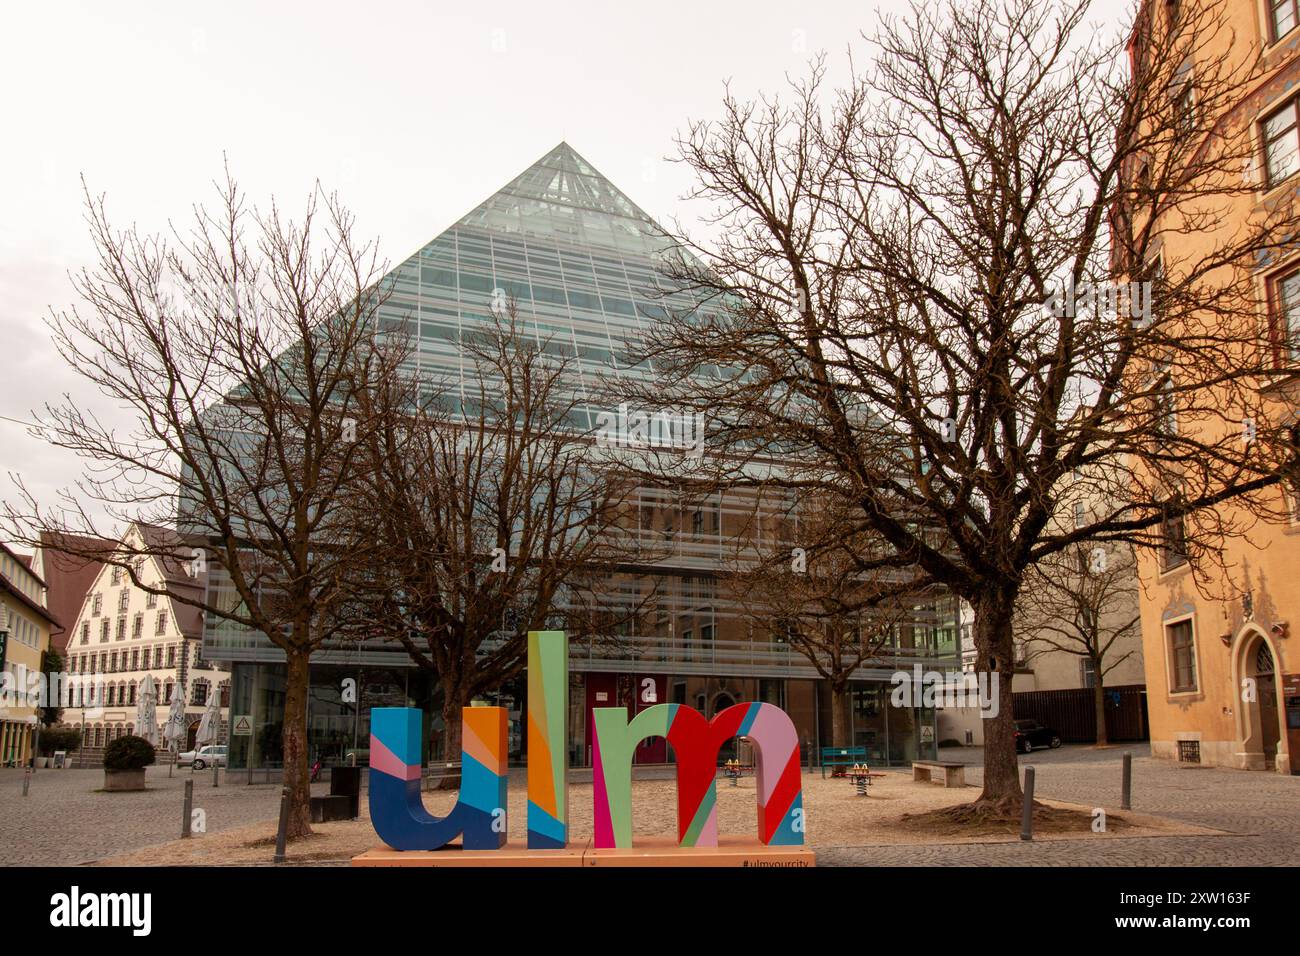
(836, 814)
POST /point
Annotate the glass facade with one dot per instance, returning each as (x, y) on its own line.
(577, 257)
(584, 268)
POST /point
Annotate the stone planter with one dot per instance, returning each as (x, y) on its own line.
(42, 762)
(124, 779)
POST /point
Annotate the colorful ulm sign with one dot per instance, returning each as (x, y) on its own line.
(479, 816)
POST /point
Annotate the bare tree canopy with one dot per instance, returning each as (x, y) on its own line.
(1082, 602)
(489, 514)
(238, 349)
(937, 291)
(818, 600)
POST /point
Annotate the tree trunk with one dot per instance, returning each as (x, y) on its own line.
(840, 724)
(296, 774)
(454, 698)
(1099, 706)
(995, 652)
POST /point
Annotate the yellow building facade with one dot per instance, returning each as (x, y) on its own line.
(25, 635)
(1221, 653)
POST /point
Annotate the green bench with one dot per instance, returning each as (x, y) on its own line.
(842, 757)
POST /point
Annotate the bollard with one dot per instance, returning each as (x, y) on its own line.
(27, 780)
(216, 772)
(284, 825)
(189, 809)
(1027, 814)
(1126, 788)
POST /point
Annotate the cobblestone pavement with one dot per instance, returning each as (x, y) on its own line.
(65, 821)
(1260, 810)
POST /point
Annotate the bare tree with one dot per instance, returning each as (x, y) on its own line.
(237, 348)
(910, 299)
(816, 598)
(490, 515)
(1083, 602)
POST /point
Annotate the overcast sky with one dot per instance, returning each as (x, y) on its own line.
(414, 112)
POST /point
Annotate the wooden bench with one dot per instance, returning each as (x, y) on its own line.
(842, 757)
(954, 774)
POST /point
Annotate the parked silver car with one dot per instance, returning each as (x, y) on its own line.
(203, 757)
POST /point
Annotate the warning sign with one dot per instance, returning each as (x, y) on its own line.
(242, 726)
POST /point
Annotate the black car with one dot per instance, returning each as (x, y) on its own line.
(1031, 734)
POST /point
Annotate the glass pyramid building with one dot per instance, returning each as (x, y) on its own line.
(576, 256)
(584, 267)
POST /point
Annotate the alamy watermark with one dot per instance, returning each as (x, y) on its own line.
(1109, 298)
(640, 428)
(922, 688)
(23, 687)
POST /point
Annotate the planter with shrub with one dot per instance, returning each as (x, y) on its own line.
(67, 739)
(124, 761)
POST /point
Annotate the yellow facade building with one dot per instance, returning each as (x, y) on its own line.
(1222, 653)
(24, 640)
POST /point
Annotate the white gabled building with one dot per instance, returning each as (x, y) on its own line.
(123, 633)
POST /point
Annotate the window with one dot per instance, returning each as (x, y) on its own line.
(171, 655)
(161, 626)
(1284, 313)
(116, 576)
(225, 695)
(121, 628)
(151, 601)
(1183, 97)
(112, 662)
(1173, 533)
(137, 626)
(1080, 515)
(1087, 672)
(1189, 751)
(123, 600)
(1282, 16)
(1281, 144)
(200, 693)
(158, 656)
(103, 631)
(135, 659)
(96, 605)
(1164, 407)
(132, 698)
(85, 632)
(1182, 657)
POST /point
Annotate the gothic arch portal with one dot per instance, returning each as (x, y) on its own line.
(1261, 731)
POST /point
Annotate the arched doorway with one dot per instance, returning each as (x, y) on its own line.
(1259, 719)
(1263, 669)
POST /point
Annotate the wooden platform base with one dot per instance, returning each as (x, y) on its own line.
(648, 851)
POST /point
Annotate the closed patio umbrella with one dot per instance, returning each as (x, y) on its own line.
(210, 723)
(174, 730)
(146, 715)
(210, 729)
